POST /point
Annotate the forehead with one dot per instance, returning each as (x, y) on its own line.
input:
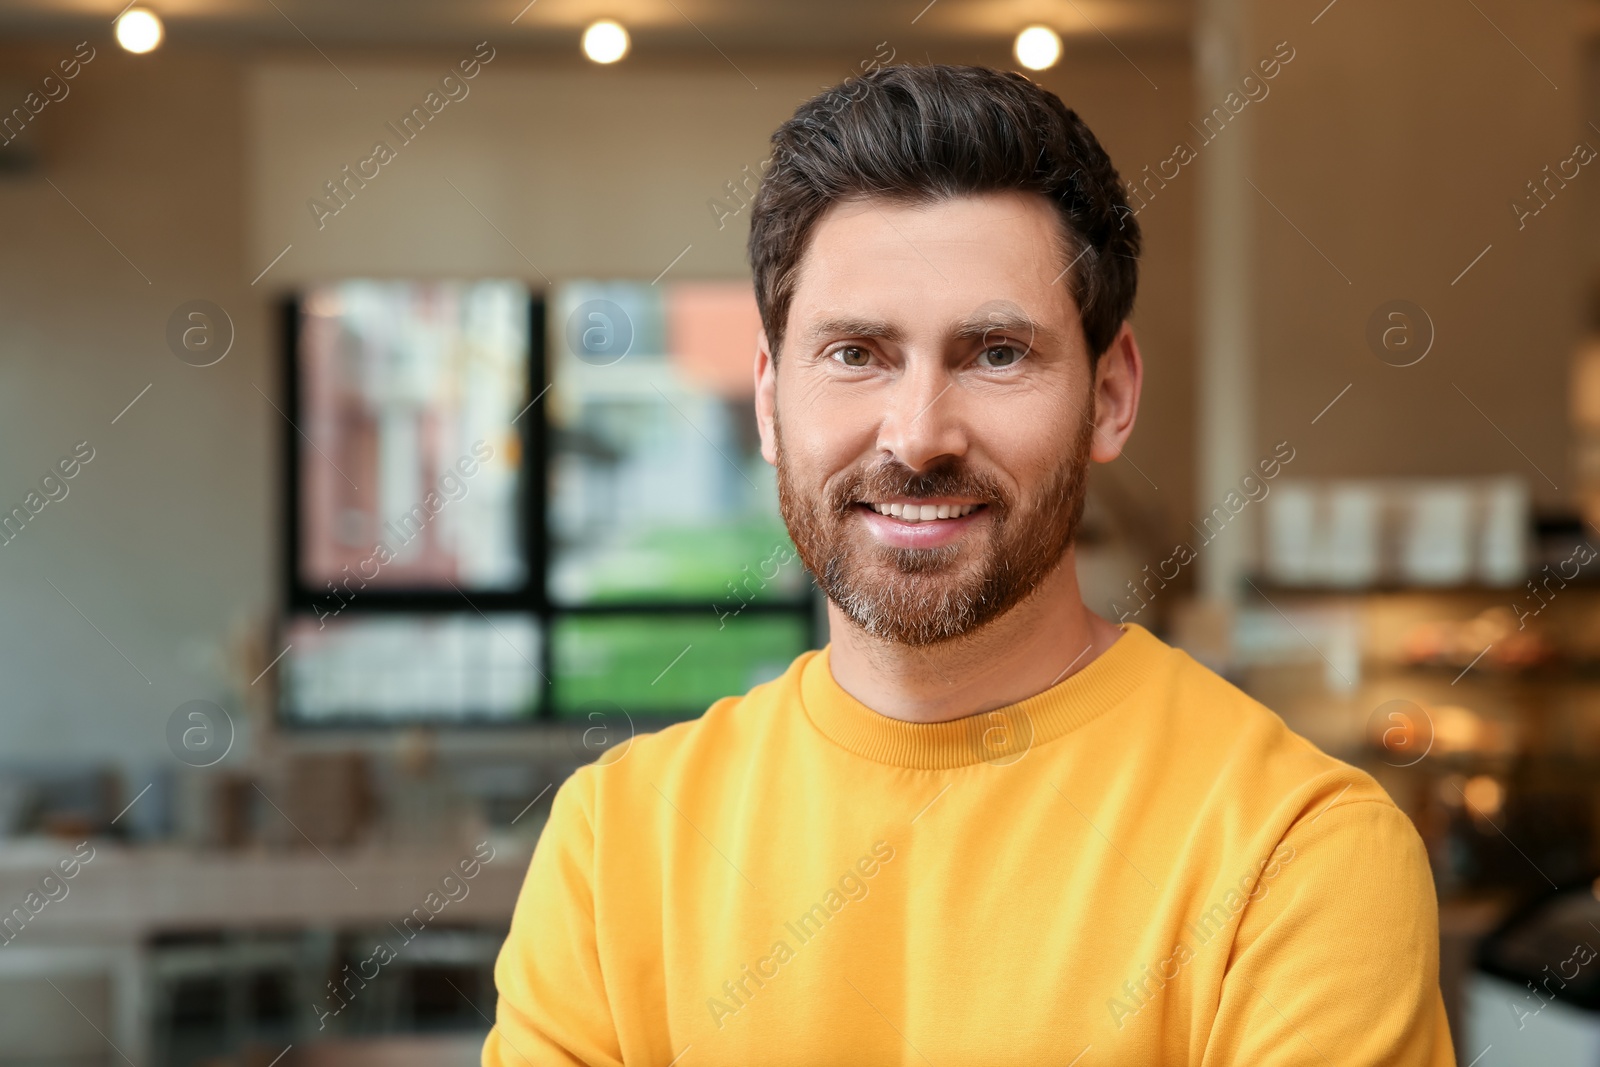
(936, 260)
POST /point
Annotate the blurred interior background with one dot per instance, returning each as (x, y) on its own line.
(350, 498)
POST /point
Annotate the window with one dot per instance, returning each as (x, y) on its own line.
(479, 533)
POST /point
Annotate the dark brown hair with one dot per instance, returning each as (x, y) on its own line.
(922, 134)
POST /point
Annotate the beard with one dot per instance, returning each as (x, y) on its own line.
(923, 596)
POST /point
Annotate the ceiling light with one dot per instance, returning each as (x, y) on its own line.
(1038, 47)
(605, 41)
(138, 30)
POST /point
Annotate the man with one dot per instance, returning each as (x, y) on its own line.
(983, 825)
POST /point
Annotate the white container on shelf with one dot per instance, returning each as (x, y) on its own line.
(1291, 534)
(1436, 533)
(1505, 516)
(1350, 554)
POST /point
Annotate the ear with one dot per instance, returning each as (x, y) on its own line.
(766, 369)
(1118, 377)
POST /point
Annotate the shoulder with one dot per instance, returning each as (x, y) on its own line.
(1269, 772)
(1278, 803)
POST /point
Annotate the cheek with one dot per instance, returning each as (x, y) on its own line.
(824, 430)
(1026, 440)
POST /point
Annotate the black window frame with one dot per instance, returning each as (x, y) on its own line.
(532, 598)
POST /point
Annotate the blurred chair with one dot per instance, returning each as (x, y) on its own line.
(440, 978)
(235, 968)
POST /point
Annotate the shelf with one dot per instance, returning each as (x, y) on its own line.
(1273, 590)
(1550, 672)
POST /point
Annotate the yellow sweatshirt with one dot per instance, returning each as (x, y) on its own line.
(1140, 865)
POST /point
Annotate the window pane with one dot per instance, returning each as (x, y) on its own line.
(410, 466)
(658, 488)
(672, 664)
(397, 668)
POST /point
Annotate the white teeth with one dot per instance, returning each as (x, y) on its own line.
(924, 512)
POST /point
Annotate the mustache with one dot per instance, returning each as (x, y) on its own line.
(891, 478)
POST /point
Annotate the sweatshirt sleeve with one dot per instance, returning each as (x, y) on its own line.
(552, 1005)
(1338, 961)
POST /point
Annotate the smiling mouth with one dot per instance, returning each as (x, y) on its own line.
(911, 511)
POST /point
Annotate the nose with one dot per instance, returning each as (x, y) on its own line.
(922, 419)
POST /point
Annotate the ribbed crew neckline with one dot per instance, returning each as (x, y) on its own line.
(999, 737)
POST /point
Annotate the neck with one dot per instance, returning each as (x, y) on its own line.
(1045, 639)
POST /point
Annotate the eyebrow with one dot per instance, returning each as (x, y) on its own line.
(852, 327)
(971, 328)
(1002, 321)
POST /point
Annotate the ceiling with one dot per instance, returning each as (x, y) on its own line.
(659, 25)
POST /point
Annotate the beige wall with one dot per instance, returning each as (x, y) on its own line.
(1395, 141)
(163, 538)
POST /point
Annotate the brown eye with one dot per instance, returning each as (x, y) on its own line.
(852, 356)
(999, 356)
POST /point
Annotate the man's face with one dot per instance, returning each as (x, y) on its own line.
(930, 414)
